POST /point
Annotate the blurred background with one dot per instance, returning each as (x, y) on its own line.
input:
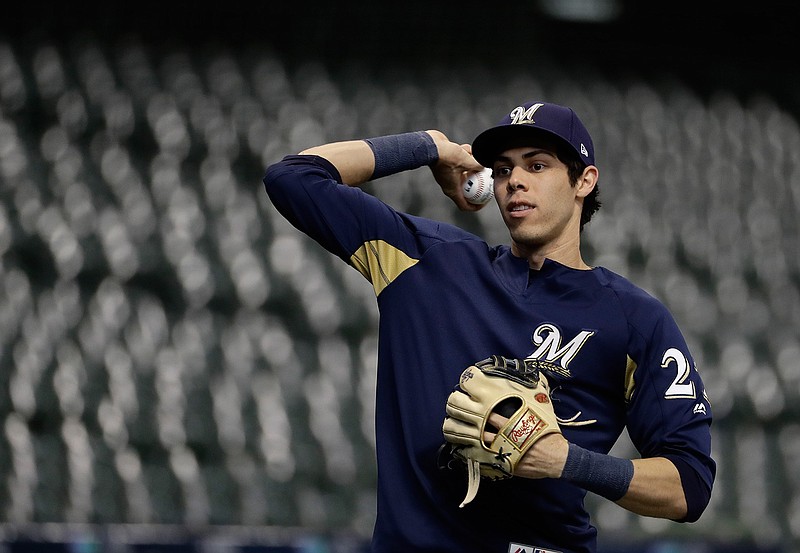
(181, 371)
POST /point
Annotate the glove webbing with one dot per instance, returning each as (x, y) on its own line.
(521, 371)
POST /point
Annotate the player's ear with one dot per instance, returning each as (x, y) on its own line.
(587, 181)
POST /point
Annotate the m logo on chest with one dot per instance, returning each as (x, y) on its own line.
(549, 349)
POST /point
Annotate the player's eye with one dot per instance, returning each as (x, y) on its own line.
(537, 166)
(500, 172)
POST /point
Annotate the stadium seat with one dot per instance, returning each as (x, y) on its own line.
(172, 351)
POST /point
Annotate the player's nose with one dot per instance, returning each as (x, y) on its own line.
(517, 181)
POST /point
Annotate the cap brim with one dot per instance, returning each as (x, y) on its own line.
(492, 142)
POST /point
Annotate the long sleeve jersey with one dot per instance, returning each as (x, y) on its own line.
(612, 353)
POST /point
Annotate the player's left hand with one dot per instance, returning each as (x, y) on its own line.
(545, 458)
(514, 388)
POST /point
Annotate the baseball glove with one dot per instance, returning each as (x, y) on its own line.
(513, 388)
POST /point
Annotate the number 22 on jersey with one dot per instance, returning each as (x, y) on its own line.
(681, 386)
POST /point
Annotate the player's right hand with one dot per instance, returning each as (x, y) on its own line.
(455, 161)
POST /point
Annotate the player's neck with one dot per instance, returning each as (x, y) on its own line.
(567, 254)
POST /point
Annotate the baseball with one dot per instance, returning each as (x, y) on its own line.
(479, 187)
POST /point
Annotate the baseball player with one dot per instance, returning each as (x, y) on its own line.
(581, 349)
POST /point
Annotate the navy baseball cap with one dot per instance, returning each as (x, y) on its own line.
(528, 121)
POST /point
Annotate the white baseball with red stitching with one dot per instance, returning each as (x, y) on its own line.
(479, 187)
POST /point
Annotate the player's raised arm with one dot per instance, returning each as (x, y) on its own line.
(353, 159)
(359, 161)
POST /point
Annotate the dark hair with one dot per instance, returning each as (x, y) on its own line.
(575, 167)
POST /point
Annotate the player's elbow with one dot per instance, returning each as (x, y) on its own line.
(696, 492)
(676, 509)
(694, 505)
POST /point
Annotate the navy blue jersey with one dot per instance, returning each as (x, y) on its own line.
(613, 353)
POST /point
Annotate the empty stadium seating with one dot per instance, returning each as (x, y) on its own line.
(162, 329)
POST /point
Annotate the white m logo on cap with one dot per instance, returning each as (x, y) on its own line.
(521, 116)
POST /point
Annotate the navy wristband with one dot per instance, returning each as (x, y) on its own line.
(604, 475)
(401, 152)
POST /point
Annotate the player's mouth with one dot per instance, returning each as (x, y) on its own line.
(519, 209)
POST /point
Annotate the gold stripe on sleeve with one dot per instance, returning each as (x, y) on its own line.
(381, 263)
(630, 385)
